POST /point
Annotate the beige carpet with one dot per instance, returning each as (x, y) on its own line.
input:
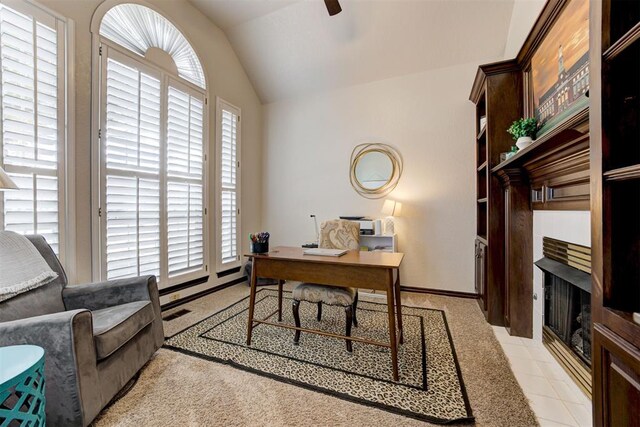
(175, 389)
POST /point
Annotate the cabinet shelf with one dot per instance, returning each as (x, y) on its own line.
(622, 322)
(622, 43)
(380, 242)
(622, 174)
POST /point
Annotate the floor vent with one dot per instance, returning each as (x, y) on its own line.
(175, 315)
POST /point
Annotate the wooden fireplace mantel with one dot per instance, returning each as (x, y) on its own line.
(571, 129)
(556, 166)
(553, 175)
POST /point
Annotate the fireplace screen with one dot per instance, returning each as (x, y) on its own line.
(567, 312)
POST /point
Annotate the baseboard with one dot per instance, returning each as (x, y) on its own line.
(181, 286)
(439, 292)
(179, 302)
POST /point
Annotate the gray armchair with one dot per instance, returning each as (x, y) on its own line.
(96, 337)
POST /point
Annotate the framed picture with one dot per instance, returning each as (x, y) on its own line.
(559, 68)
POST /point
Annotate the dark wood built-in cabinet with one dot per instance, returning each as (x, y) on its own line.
(590, 160)
(496, 93)
(615, 210)
(552, 173)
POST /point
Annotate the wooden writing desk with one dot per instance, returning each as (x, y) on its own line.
(366, 270)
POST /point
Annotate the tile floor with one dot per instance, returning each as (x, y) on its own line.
(554, 397)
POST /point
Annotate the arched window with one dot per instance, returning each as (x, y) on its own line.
(139, 29)
(152, 149)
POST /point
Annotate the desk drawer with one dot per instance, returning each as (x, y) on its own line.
(329, 274)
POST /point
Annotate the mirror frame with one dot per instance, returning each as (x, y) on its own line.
(396, 169)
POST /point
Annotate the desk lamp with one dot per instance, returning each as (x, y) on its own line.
(390, 208)
(315, 223)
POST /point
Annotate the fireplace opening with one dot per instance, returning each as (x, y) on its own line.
(567, 307)
(567, 312)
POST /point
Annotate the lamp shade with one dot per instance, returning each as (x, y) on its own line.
(391, 208)
(6, 183)
(398, 210)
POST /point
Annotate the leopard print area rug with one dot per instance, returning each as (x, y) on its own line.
(430, 386)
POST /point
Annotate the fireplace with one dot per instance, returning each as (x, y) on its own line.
(567, 306)
(567, 313)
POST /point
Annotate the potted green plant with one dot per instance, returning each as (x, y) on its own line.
(523, 131)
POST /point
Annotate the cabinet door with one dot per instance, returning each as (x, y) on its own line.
(616, 374)
(476, 272)
(481, 272)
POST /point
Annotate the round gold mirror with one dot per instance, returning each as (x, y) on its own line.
(375, 170)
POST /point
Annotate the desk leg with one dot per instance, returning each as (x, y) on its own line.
(280, 283)
(252, 300)
(399, 307)
(392, 327)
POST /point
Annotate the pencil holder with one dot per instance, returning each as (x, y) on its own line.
(260, 247)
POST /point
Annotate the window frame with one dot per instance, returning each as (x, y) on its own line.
(194, 91)
(103, 48)
(220, 266)
(65, 171)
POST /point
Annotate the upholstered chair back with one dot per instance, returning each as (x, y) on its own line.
(46, 299)
(340, 234)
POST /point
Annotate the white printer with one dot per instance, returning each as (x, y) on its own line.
(367, 227)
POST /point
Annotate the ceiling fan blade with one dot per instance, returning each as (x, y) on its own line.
(333, 7)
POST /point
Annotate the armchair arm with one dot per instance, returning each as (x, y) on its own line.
(70, 362)
(95, 296)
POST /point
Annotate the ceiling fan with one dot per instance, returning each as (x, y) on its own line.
(333, 7)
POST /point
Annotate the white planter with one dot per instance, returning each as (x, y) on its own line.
(523, 142)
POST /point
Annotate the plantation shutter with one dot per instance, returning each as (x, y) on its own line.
(132, 169)
(32, 120)
(229, 143)
(185, 186)
(152, 173)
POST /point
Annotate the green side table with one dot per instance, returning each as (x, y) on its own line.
(22, 400)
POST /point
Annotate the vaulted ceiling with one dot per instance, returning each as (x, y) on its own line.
(290, 48)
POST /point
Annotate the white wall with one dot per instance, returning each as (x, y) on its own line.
(429, 119)
(308, 142)
(226, 78)
(523, 16)
(570, 226)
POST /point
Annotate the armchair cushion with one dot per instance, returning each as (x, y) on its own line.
(115, 326)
